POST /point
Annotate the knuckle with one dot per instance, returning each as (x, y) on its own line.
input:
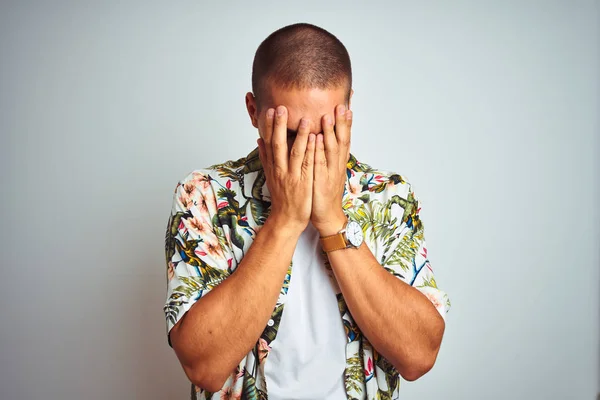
(295, 152)
(277, 145)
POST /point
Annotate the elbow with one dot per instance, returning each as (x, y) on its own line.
(422, 362)
(199, 368)
(417, 370)
(419, 367)
(205, 378)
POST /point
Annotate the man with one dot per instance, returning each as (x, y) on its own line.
(298, 271)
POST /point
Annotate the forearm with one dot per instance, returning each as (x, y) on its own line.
(399, 321)
(223, 326)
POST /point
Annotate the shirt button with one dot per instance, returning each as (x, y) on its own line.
(271, 322)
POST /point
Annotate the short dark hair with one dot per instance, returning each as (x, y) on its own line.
(300, 56)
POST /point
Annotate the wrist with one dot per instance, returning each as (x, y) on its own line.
(282, 226)
(332, 226)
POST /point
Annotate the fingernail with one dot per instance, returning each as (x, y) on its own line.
(311, 137)
(280, 110)
(328, 120)
(270, 112)
(342, 109)
(303, 123)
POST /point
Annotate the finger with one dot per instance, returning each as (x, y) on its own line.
(320, 159)
(331, 146)
(297, 155)
(343, 123)
(279, 140)
(268, 136)
(308, 165)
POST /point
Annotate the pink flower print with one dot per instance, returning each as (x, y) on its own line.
(263, 350)
(206, 205)
(214, 248)
(198, 226)
(232, 389)
(354, 190)
(201, 180)
(434, 300)
(369, 369)
(189, 187)
(186, 200)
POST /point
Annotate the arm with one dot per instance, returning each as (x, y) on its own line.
(400, 322)
(223, 326)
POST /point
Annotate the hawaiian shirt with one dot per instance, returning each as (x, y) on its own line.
(217, 213)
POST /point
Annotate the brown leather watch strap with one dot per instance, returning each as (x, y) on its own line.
(333, 242)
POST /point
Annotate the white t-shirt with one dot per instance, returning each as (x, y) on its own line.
(308, 359)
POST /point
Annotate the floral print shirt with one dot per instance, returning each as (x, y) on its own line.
(218, 211)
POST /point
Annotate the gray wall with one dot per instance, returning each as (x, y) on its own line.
(490, 108)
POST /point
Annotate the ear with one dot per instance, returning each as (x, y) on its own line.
(252, 109)
(350, 99)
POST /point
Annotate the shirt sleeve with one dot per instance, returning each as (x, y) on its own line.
(403, 250)
(198, 256)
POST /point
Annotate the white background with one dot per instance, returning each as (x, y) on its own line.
(489, 108)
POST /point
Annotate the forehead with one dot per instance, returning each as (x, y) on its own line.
(308, 103)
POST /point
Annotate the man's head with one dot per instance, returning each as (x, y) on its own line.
(304, 68)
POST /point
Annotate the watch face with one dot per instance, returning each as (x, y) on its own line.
(354, 233)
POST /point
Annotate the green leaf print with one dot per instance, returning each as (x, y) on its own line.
(229, 169)
(382, 395)
(252, 162)
(171, 233)
(429, 282)
(354, 374)
(259, 211)
(229, 195)
(392, 377)
(191, 287)
(249, 387)
(257, 186)
(271, 331)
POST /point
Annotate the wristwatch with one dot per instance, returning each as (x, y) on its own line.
(351, 236)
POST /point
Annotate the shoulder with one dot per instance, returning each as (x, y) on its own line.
(201, 179)
(380, 197)
(372, 184)
(200, 187)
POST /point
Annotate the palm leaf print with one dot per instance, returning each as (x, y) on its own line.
(257, 186)
(429, 282)
(259, 210)
(406, 249)
(270, 332)
(391, 374)
(229, 195)
(171, 233)
(230, 169)
(383, 395)
(249, 388)
(354, 374)
(252, 162)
